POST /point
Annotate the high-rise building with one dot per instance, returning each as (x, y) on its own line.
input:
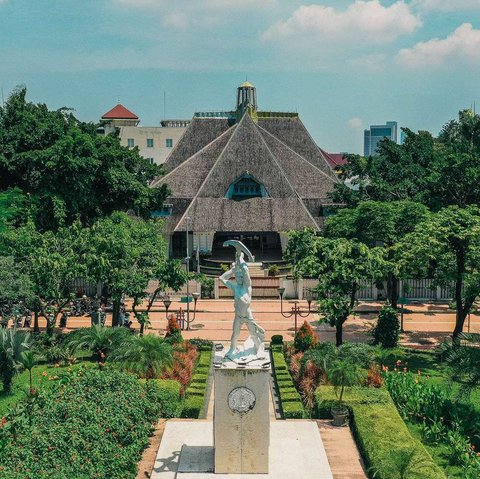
(375, 134)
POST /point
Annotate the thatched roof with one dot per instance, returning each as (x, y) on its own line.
(277, 152)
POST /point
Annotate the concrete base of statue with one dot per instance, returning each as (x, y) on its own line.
(241, 421)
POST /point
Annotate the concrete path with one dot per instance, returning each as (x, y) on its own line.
(343, 455)
(296, 452)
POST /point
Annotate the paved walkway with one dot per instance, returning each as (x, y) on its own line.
(425, 324)
(342, 452)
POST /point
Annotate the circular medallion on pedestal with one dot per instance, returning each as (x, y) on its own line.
(241, 400)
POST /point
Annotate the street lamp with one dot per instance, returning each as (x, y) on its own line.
(166, 302)
(295, 312)
(195, 297)
(187, 266)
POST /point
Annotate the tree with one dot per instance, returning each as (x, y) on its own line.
(66, 170)
(52, 260)
(12, 344)
(339, 265)
(98, 339)
(146, 355)
(446, 246)
(12, 207)
(379, 223)
(167, 274)
(16, 289)
(28, 362)
(125, 253)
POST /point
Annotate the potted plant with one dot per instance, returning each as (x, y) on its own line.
(340, 375)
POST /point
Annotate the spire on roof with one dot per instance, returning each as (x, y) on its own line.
(246, 97)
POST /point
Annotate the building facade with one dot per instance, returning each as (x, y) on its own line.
(153, 142)
(244, 174)
(377, 133)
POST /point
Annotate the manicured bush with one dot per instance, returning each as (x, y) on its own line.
(93, 424)
(195, 392)
(202, 344)
(305, 338)
(276, 339)
(290, 400)
(382, 437)
(387, 330)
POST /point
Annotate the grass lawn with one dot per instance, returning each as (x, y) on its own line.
(21, 383)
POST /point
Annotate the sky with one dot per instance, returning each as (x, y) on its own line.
(342, 64)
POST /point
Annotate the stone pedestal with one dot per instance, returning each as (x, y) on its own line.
(241, 419)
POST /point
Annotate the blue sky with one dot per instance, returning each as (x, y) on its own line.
(342, 64)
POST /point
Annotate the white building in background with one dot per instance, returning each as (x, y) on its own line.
(153, 142)
(376, 133)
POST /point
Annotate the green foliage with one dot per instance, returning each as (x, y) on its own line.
(273, 270)
(447, 246)
(195, 399)
(342, 374)
(12, 208)
(13, 344)
(387, 330)
(277, 339)
(201, 345)
(463, 359)
(290, 400)
(381, 434)
(147, 356)
(100, 340)
(95, 424)
(68, 171)
(304, 338)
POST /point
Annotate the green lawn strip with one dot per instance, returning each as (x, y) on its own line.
(381, 434)
(196, 390)
(290, 400)
(21, 383)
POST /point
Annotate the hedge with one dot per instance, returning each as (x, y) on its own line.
(92, 424)
(195, 393)
(290, 400)
(383, 438)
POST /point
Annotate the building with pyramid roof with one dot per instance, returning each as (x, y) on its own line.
(244, 174)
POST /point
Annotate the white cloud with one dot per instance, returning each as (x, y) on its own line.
(355, 123)
(176, 20)
(447, 5)
(362, 20)
(461, 45)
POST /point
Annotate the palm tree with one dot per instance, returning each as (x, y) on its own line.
(463, 358)
(146, 355)
(100, 340)
(28, 361)
(342, 374)
(12, 345)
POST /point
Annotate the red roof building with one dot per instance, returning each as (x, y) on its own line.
(119, 112)
(335, 159)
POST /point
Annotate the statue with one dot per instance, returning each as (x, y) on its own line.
(242, 293)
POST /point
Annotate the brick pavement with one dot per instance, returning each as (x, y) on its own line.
(425, 324)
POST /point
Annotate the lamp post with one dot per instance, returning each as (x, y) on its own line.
(166, 302)
(295, 311)
(187, 265)
(195, 297)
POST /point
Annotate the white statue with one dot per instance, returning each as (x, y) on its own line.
(242, 293)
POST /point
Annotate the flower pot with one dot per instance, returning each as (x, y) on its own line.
(339, 415)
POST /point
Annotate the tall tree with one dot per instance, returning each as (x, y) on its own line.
(447, 247)
(379, 223)
(340, 265)
(68, 171)
(124, 253)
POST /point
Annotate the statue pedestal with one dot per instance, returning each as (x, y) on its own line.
(241, 423)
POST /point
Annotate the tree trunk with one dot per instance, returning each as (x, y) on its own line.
(461, 312)
(339, 334)
(394, 292)
(36, 327)
(115, 312)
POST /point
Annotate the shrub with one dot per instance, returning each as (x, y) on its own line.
(195, 393)
(387, 330)
(94, 424)
(381, 434)
(362, 354)
(173, 333)
(276, 339)
(202, 344)
(184, 361)
(12, 344)
(273, 270)
(305, 338)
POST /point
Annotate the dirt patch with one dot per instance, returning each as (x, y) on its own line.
(145, 466)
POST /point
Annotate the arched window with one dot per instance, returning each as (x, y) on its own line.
(246, 187)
